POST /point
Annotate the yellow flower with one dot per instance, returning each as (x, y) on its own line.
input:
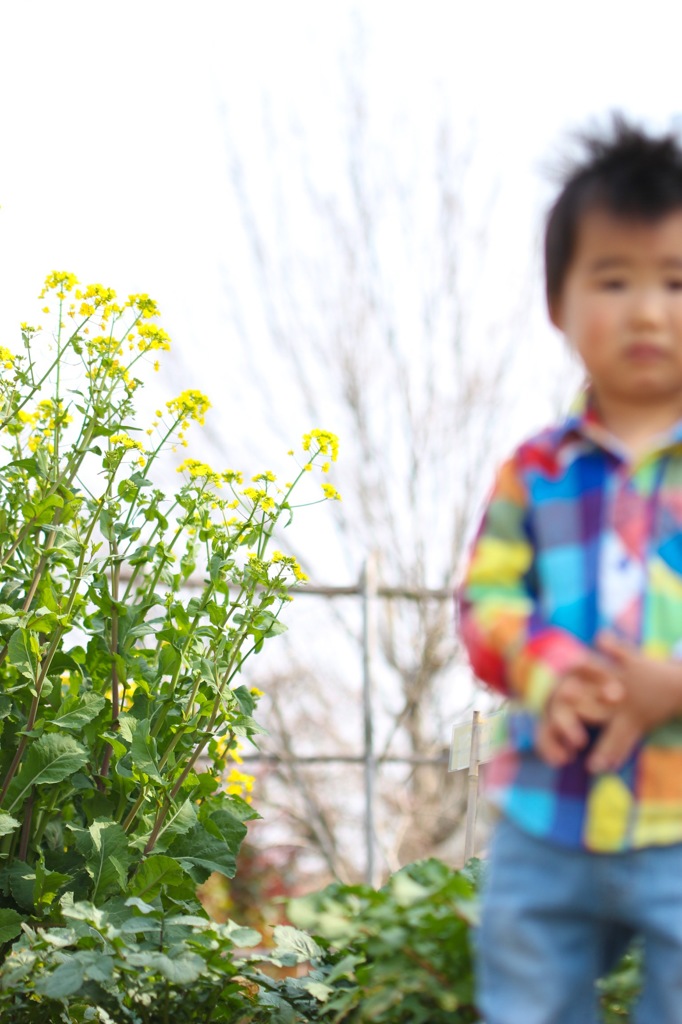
(331, 492)
(326, 443)
(125, 441)
(239, 783)
(99, 294)
(200, 471)
(287, 561)
(61, 281)
(191, 405)
(143, 304)
(260, 498)
(153, 337)
(49, 412)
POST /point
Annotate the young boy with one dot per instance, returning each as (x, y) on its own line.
(572, 607)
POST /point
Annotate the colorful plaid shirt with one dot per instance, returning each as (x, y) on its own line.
(578, 538)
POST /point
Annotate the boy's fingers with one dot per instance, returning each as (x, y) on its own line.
(613, 690)
(615, 648)
(615, 745)
(592, 702)
(560, 736)
(552, 751)
(597, 675)
(567, 727)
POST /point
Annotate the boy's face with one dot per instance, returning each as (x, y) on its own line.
(621, 308)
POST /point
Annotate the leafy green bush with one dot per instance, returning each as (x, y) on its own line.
(621, 988)
(130, 962)
(397, 955)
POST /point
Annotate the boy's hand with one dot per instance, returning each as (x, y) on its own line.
(584, 696)
(652, 696)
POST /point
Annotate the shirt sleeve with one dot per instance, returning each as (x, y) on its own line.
(510, 645)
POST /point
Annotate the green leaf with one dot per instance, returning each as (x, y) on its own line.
(181, 970)
(10, 924)
(7, 824)
(201, 853)
(318, 989)
(155, 874)
(66, 980)
(169, 659)
(49, 760)
(217, 614)
(8, 615)
(144, 753)
(242, 936)
(76, 712)
(245, 699)
(96, 966)
(18, 880)
(108, 856)
(47, 884)
(295, 943)
(22, 654)
(139, 904)
(406, 891)
(105, 525)
(179, 823)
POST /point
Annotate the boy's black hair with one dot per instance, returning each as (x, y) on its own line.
(625, 171)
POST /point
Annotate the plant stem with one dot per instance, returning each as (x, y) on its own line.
(115, 682)
(26, 830)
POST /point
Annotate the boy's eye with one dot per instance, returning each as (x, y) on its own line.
(612, 284)
(674, 284)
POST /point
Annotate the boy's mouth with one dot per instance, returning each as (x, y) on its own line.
(645, 350)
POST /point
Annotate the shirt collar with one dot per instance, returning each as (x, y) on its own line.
(583, 428)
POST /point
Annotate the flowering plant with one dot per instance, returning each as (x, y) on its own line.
(120, 698)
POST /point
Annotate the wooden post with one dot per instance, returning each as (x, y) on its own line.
(472, 791)
(369, 628)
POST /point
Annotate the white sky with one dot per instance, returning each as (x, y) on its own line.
(113, 119)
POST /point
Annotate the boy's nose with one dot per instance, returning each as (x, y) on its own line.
(647, 307)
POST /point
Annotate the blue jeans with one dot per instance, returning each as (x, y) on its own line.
(555, 919)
